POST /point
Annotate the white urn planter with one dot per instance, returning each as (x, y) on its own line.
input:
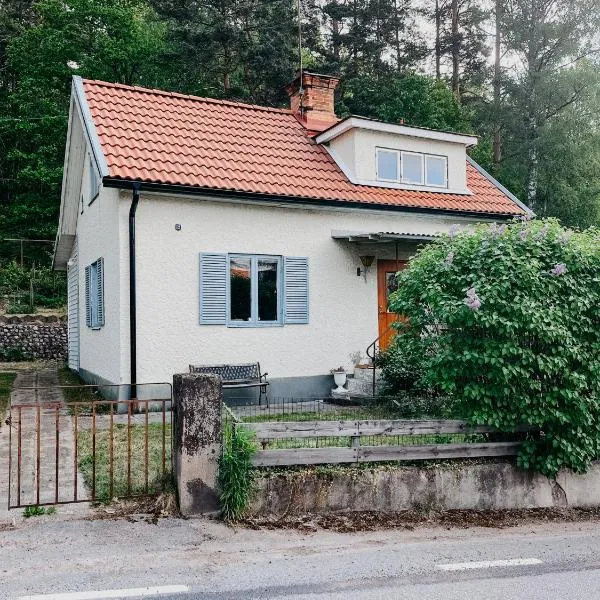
(339, 377)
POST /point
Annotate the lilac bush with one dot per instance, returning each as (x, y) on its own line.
(506, 319)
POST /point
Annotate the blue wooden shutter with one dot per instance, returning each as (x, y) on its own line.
(213, 289)
(88, 303)
(295, 284)
(100, 290)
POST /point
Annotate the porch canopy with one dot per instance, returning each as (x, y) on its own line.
(381, 236)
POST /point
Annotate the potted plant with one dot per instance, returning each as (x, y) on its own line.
(339, 377)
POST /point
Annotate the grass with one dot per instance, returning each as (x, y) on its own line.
(372, 440)
(38, 511)
(66, 377)
(157, 480)
(383, 408)
(6, 383)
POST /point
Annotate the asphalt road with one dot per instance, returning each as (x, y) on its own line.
(181, 560)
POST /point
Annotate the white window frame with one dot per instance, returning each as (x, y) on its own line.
(398, 165)
(418, 155)
(400, 154)
(254, 321)
(437, 157)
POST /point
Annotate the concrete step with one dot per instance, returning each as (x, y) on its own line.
(366, 373)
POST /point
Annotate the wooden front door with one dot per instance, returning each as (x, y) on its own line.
(386, 284)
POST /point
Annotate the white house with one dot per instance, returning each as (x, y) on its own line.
(203, 231)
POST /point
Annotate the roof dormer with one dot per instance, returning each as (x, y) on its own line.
(375, 153)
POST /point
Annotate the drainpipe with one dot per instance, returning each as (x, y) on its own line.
(132, 291)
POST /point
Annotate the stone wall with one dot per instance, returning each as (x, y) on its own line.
(457, 485)
(39, 336)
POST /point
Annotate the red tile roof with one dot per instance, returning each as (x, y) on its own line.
(161, 137)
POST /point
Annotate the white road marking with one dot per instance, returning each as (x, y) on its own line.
(123, 593)
(488, 564)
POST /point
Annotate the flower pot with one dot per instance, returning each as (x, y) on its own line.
(340, 380)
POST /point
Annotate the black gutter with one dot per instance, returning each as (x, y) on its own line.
(163, 188)
(132, 290)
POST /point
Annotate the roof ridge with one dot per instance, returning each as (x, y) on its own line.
(157, 92)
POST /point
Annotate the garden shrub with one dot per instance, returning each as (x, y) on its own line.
(16, 353)
(506, 319)
(236, 478)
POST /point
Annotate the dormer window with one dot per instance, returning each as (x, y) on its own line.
(388, 165)
(412, 168)
(436, 171)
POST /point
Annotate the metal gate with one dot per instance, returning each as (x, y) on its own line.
(84, 447)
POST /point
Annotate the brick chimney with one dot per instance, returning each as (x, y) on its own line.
(313, 101)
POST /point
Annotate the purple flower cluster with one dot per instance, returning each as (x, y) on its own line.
(449, 260)
(453, 231)
(542, 233)
(565, 237)
(472, 299)
(558, 270)
(523, 235)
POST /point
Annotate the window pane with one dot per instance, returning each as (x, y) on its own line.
(412, 168)
(387, 165)
(436, 171)
(240, 289)
(267, 289)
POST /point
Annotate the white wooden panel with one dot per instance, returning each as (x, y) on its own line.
(73, 309)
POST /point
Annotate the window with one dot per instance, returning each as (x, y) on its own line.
(254, 289)
(94, 181)
(244, 290)
(94, 294)
(436, 171)
(412, 168)
(387, 165)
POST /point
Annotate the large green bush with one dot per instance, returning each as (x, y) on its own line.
(507, 320)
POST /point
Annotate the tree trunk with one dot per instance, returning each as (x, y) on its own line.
(455, 50)
(497, 143)
(438, 43)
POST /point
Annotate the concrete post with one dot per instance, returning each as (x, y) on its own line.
(198, 404)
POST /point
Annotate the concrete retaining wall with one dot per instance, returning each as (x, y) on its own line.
(42, 337)
(489, 486)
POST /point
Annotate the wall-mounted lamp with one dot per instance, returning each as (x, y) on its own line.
(366, 261)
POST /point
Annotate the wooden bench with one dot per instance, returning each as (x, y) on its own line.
(237, 376)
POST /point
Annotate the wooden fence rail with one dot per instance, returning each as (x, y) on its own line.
(355, 452)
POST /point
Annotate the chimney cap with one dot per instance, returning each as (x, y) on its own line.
(311, 79)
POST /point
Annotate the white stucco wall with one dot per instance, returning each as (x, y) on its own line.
(98, 236)
(356, 149)
(343, 307)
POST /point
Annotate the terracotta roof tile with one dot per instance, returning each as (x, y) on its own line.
(169, 138)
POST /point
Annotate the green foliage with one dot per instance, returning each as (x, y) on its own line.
(38, 511)
(236, 474)
(14, 354)
(506, 320)
(419, 100)
(17, 283)
(402, 367)
(6, 383)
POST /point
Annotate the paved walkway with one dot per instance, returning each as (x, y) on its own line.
(38, 476)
